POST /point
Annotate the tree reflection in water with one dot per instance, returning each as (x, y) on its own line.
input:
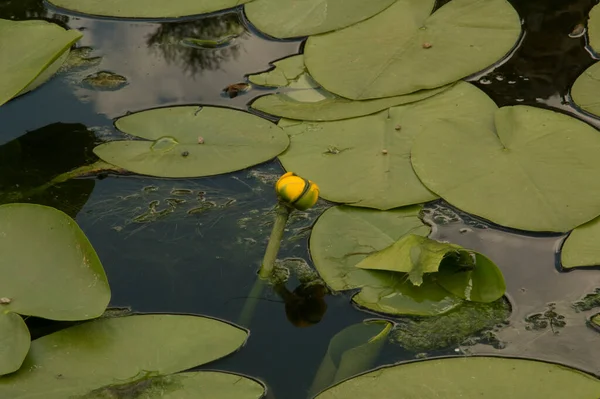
(29, 9)
(166, 41)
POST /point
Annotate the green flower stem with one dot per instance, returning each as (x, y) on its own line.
(268, 263)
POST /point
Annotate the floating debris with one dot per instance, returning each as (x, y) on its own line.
(105, 80)
(5, 301)
(236, 89)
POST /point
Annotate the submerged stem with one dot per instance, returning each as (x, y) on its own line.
(268, 263)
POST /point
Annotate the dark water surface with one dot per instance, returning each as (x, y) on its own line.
(204, 262)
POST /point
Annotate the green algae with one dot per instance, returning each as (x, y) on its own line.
(588, 302)
(465, 325)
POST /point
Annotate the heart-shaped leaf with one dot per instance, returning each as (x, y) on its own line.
(537, 170)
(366, 161)
(27, 48)
(146, 8)
(365, 232)
(469, 378)
(193, 142)
(49, 267)
(291, 18)
(14, 341)
(90, 356)
(310, 102)
(401, 49)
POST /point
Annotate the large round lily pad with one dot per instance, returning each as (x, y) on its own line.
(403, 49)
(27, 48)
(364, 232)
(366, 161)
(586, 88)
(146, 8)
(537, 170)
(193, 141)
(49, 268)
(14, 341)
(582, 247)
(470, 378)
(118, 351)
(310, 102)
(291, 18)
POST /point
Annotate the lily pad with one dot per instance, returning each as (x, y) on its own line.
(310, 102)
(27, 48)
(291, 18)
(192, 385)
(47, 74)
(594, 28)
(146, 8)
(14, 341)
(353, 350)
(283, 73)
(581, 246)
(537, 170)
(585, 90)
(49, 267)
(366, 231)
(470, 378)
(366, 161)
(401, 49)
(193, 142)
(79, 360)
(466, 274)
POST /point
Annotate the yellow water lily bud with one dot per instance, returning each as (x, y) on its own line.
(297, 191)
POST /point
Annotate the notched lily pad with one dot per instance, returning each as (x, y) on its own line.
(470, 377)
(14, 341)
(231, 140)
(146, 8)
(536, 170)
(366, 161)
(401, 49)
(50, 268)
(87, 360)
(290, 18)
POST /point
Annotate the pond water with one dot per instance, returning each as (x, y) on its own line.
(201, 256)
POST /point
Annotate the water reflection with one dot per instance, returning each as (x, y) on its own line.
(35, 158)
(161, 70)
(550, 57)
(168, 39)
(305, 306)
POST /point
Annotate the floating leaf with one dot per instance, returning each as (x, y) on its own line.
(585, 90)
(49, 267)
(403, 49)
(351, 351)
(192, 385)
(27, 48)
(470, 378)
(366, 231)
(366, 161)
(146, 8)
(581, 247)
(594, 28)
(537, 170)
(310, 102)
(291, 18)
(14, 341)
(90, 356)
(47, 74)
(283, 73)
(231, 140)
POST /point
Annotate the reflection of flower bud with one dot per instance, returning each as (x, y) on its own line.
(296, 191)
